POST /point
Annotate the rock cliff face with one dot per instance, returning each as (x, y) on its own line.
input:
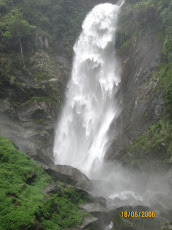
(145, 79)
(141, 105)
(28, 113)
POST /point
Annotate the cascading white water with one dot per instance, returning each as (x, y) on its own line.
(81, 138)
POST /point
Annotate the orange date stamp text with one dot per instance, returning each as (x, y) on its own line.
(142, 214)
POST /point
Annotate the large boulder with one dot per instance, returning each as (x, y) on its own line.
(88, 222)
(98, 211)
(92, 207)
(69, 175)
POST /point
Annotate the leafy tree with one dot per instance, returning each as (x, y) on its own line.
(16, 28)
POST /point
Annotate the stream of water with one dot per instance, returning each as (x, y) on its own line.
(81, 138)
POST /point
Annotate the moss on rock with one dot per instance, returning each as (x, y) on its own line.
(155, 143)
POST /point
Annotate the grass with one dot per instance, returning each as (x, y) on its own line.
(23, 204)
(155, 143)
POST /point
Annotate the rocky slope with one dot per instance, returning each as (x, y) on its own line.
(29, 110)
(144, 126)
(30, 120)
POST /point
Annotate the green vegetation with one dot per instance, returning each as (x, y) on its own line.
(40, 99)
(155, 143)
(168, 97)
(32, 34)
(38, 121)
(41, 67)
(15, 28)
(143, 16)
(54, 24)
(23, 204)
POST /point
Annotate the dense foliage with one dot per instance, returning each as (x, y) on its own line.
(57, 22)
(32, 35)
(156, 142)
(23, 204)
(146, 15)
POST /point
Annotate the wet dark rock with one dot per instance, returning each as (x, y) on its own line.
(69, 175)
(72, 172)
(99, 199)
(45, 161)
(92, 207)
(57, 176)
(98, 211)
(37, 110)
(30, 128)
(88, 223)
(29, 110)
(91, 197)
(81, 191)
(7, 109)
(52, 189)
(141, 105)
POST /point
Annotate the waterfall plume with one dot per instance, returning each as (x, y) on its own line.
(81, 138)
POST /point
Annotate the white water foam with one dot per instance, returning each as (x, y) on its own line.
(81, 138)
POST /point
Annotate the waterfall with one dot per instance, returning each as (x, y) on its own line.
(82, 135)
